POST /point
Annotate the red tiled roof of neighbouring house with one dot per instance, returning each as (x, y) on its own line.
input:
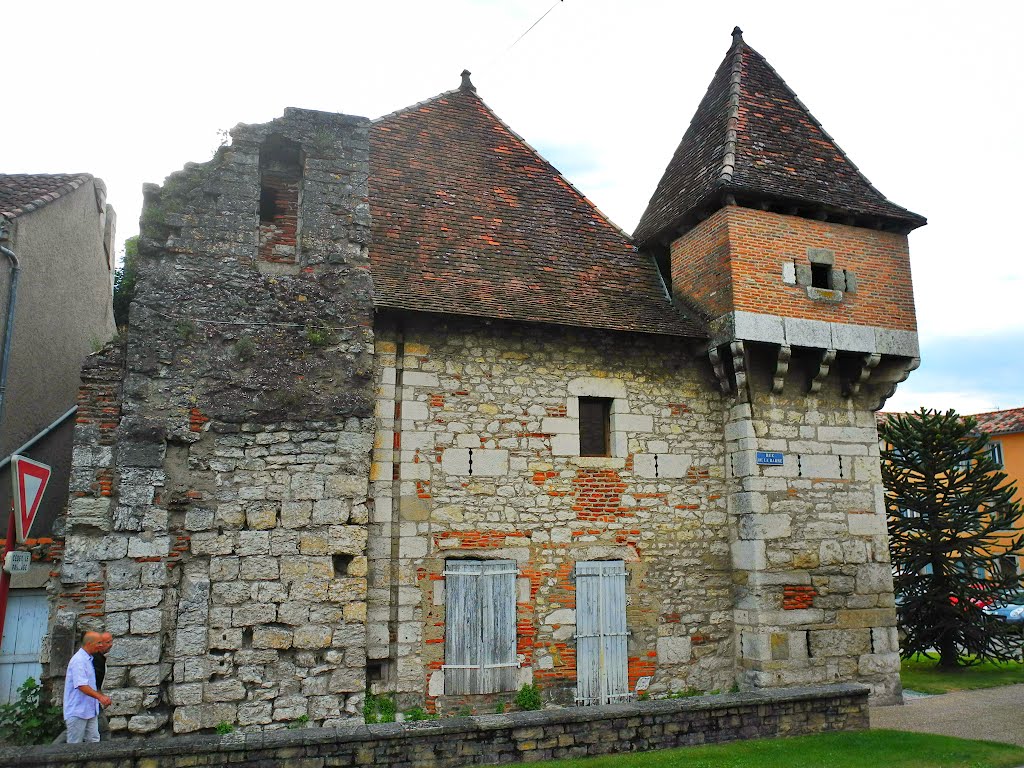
(752, 138)
(1001, 422)
(469, 219)
(25, 192)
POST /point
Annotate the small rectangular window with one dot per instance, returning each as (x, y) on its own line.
(821, 276)
(595, 426)
(996, 451)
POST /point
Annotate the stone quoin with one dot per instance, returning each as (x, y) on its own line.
(400, 411)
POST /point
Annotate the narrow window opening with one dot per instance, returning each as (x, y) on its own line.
(807, 638)
(280, 188)
(375, 672)
(595, 426)
(821, 276)
(341, 564)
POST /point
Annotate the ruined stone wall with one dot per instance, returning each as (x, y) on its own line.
(218, 520)
(477, 453)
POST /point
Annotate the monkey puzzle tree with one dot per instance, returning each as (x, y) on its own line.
(952, 525)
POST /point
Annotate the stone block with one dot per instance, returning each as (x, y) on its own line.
(223, 690)
(808, 333)
(873, 578)
(347, 486)
(146, 622)
(592, 386)
(490, 463)
(455, 461)
(132, 599)
(149, 546)
(312, 636)
(748, 555)
(306, 485)
(673, 650)
(853, 338)
(752, 326)
(296, 514)
(346, 540)
(253, 614)
(819, 466)
(258, 568)
(747, 502)
(134, 650)
(278, 638)
(559, 426)
(413, 411)
(839, 642)
(564, 445)
(894, 342)
(632, 422)
(867, 524)
(89, 512)
(253, 543)
(764, 527)
(148, 723)
(262, 516)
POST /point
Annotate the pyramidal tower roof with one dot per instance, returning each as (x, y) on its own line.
(753, 142)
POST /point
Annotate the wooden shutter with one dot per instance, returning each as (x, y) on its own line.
(601, 662)
(27, 614)
(480, 626)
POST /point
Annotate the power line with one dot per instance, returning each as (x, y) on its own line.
(538, 21)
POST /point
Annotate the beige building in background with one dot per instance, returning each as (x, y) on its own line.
(61, 230)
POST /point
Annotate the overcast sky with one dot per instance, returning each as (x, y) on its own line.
(924, 97)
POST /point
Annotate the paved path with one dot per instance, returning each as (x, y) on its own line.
(993, 714)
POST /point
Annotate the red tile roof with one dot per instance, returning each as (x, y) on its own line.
(469, 219)
(752, 138)
(25, 192)
(1001, 422)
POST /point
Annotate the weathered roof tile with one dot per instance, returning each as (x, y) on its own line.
(25, 192)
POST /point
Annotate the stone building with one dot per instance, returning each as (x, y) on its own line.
(400, 410)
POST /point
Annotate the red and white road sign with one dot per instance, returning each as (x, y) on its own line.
(30, 479)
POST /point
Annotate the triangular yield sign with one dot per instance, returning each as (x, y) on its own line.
(30, 479)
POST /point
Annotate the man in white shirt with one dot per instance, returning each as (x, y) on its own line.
(81, 699)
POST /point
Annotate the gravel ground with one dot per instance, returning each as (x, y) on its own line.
(992, 714)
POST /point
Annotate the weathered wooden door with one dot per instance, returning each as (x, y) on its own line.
(24, 629)
(601, 663)
(480, 626)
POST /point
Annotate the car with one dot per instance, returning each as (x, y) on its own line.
(1010, 610)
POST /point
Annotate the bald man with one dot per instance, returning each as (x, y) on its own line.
(82, 700)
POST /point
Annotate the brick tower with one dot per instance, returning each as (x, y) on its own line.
(800, 267)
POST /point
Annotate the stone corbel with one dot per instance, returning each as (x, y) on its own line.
(828, 357)
(868, 363)
(781, 368)
(718, 364)
(739, 368)
(890, 389)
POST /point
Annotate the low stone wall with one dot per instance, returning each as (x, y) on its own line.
(489, 739)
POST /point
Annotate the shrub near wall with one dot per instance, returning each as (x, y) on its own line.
(488, 739)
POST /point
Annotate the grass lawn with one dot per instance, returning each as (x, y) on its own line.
(878, 749)
(922, 674)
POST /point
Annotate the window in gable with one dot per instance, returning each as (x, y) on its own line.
(480, 626)
(595, 426)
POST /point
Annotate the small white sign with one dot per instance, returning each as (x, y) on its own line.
(18, 562)
(643, 683)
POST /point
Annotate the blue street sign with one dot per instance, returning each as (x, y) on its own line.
(770, 458)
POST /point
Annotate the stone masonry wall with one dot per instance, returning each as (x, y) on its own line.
(218, 520)
(503, 398)
(814, 584)
(489, 739)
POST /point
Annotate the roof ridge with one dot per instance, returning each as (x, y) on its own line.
(733, 115)
(77, 180)
(411, 107)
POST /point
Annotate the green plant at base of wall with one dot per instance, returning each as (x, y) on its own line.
(528, 698)
(299, 722)
(224, 728)
(379, 708)
(418, 713)
(28, 720)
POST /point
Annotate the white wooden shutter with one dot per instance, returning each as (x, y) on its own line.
(27, 614)
(480, 626)
(601, 662)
